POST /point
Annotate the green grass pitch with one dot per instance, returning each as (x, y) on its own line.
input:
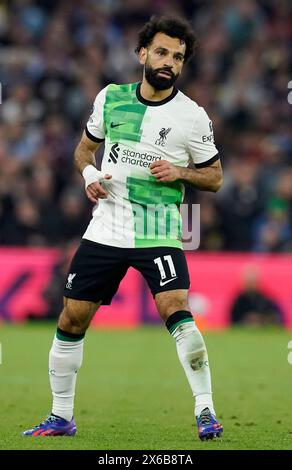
(132, 392)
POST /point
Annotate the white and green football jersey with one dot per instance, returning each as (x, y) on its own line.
(140, 211)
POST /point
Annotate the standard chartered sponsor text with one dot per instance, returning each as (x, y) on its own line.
(139, 159)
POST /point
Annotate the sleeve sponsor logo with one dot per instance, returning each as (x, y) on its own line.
(208, 138)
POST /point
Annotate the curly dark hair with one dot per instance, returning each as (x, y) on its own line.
(173, 27)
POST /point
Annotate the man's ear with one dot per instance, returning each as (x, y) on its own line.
(142, 55)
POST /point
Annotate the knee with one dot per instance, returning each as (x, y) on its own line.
(176, 306)
(167, 307)
(76, 316)
(72, 318)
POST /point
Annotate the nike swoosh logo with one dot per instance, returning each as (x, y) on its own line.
(162, 283)
(116, 125)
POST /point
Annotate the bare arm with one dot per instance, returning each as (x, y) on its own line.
(85, 153)
(209, 178)
(84, 156)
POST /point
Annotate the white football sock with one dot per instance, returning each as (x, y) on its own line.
(193, 356)
(64, 361)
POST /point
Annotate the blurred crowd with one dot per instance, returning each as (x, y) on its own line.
(55, 57)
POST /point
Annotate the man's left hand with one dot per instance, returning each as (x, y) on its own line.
(165, 171)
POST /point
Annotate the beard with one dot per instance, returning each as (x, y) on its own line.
(158, 82)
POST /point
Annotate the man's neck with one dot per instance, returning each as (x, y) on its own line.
(149, 93)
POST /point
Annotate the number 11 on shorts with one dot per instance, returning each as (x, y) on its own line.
(171, 267)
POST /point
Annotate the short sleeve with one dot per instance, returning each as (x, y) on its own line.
(201, 144)
(95, 125)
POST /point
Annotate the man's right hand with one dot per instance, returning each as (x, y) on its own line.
(95, 191)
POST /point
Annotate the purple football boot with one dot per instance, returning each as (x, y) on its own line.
(53, 426)
(208, 426)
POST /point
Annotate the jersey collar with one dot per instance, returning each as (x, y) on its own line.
(154, 103)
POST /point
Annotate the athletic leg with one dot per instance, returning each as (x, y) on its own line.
(95, 273)
(166, 272)
(173, 309)
(66, 354)
(65, 359)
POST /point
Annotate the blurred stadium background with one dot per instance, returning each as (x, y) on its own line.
(55, 56)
